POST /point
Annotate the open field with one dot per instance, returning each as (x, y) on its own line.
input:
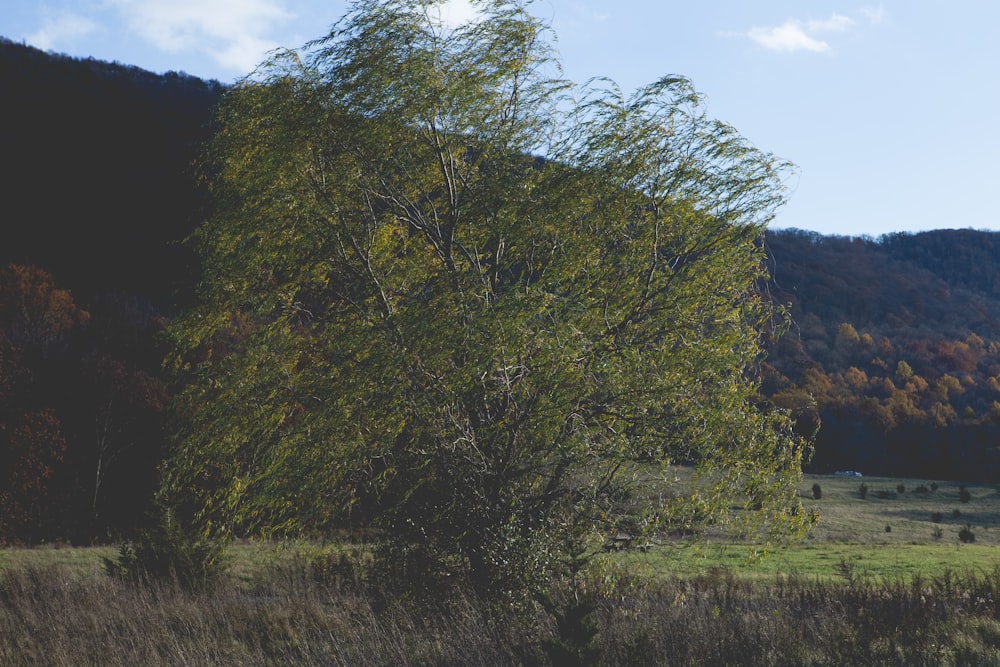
(887, 534)
(853, 594)
(923, 522)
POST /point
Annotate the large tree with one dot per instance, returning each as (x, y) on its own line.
(487, 312)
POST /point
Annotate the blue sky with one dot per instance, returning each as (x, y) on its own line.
(889, 109)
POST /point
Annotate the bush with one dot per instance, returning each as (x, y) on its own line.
(863, 490)
(934, 486)
(963, 495)
(169, 551)
(938, 533)
(900, 489)
(817, 491)
(937, 517)
(966, 534)
(955, 513)
(888, 528)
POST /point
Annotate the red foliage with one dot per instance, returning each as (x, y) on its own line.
(30, 453)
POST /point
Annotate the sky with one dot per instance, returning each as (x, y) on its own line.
(890, 110)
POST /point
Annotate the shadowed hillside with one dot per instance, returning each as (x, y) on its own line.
(895, 347)
(95, 175)
(97, 191)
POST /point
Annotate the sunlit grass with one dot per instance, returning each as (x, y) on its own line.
(851, 535)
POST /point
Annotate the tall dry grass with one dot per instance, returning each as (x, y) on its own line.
(298, 615)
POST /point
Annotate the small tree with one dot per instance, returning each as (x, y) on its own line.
(963, 495)
(408, 320)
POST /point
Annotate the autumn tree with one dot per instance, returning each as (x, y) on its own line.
(452, 296)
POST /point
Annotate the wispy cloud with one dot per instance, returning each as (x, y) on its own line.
(796, 35)
(807, 35)
(875, 15)
(233, 32)
(57, 27)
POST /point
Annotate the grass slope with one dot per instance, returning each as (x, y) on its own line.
(888, 533)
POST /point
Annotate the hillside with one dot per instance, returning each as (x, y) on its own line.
(894, 350)
(97, 191)
(96, 178)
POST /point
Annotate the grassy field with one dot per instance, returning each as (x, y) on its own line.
(856, 594)
(889, 533)
(900, 527)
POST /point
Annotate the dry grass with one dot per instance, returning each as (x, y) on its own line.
(53, 616)
(852, 594)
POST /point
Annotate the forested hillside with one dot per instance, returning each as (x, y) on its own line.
(894, 351)
(96, 170)
(97, 190)
(895, 348)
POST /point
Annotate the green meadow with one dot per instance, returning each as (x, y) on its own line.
(878, 527)
(900, 527)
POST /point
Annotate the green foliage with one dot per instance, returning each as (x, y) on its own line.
(407, 321)
(575, 642)
(966, 535)
(817, 491)
(169, 551)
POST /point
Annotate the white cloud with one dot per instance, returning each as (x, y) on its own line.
(789, 36)
(233, 32)
(875, 15)
(796, 35)
(590, 14)
(60, 26)
(836, 23)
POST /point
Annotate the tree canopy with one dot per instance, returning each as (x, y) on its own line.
(485, 311)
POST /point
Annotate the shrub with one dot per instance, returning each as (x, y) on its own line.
(169, 551)
(900, 489)
(966, 534)
(884, 494)
(937, 517)
(955, 513)
(888, 528)
(934, 486)
(817, 491)
(963, 495)
(921, 489)
(938, 533)
(863, 490)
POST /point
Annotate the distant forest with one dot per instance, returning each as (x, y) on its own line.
(892, 360)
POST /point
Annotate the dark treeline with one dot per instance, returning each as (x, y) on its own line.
(97, 189)
(894, 350)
